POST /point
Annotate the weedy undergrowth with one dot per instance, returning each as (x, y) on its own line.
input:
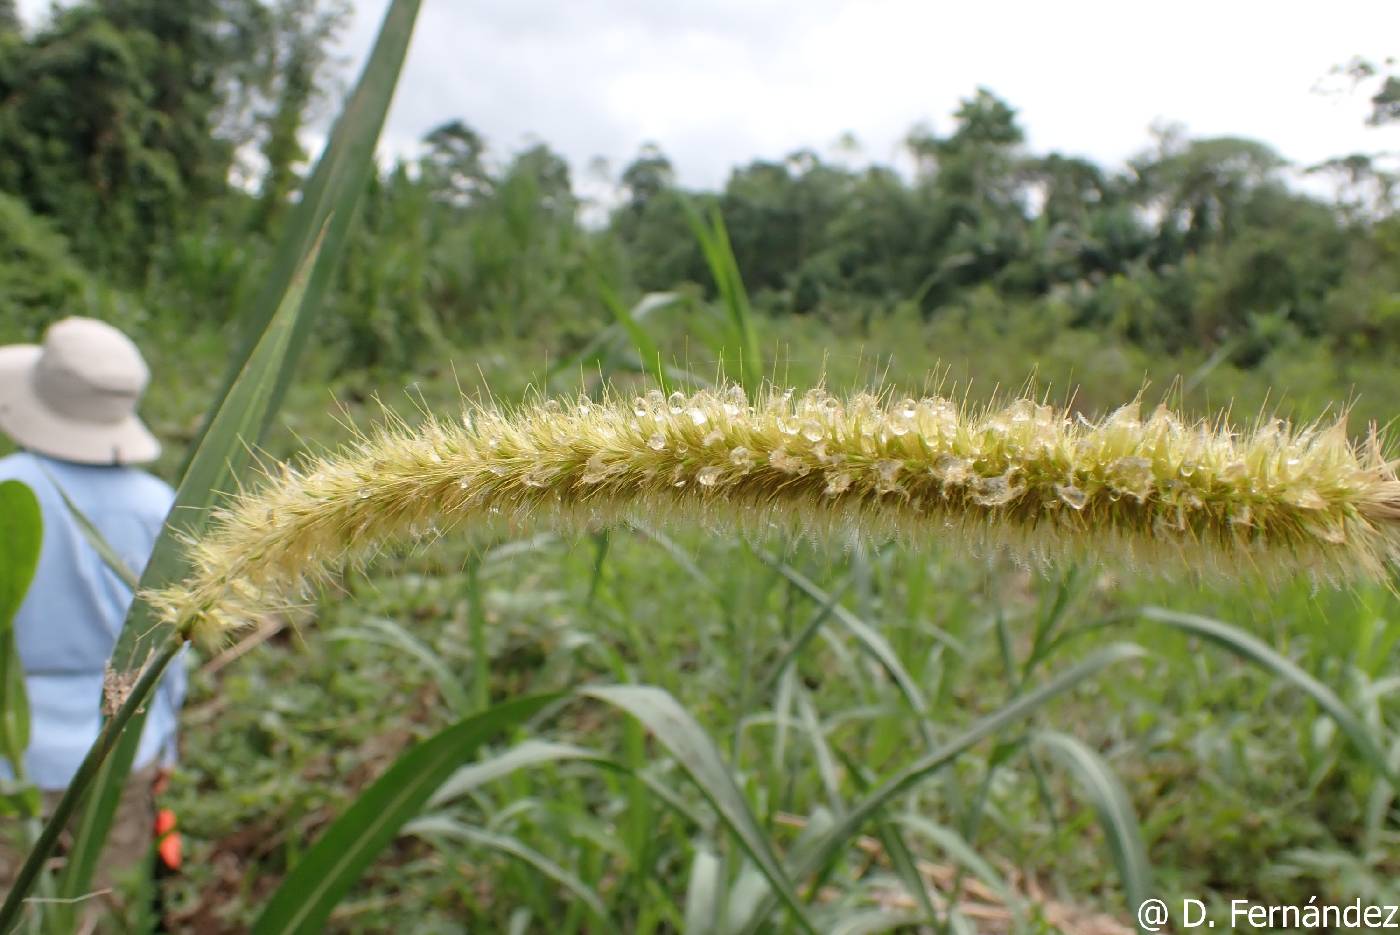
(1158, 493)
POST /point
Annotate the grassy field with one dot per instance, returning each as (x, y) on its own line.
(1242, 787)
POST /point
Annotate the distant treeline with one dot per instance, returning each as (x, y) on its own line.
(149, 152)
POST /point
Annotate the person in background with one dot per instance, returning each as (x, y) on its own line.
(70, 406)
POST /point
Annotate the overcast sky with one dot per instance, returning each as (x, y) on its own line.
(720, 82)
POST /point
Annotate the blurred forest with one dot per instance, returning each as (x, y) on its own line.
(148, 152)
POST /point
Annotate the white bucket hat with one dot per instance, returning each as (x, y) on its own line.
(74, 398)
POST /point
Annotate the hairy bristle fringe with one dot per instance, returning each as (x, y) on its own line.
(1156, 494)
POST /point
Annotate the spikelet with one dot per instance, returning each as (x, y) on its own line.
(1157, 493)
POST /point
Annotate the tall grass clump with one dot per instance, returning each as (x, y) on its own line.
(1158, 492)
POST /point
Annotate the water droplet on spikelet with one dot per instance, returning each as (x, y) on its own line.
(714, 438)
(598, 469)
(787, 427)
(657, 442)
(363, 493)
(1071, 496)
(898, 427)
(952, 470)
(785, 462)
(552, 406)
(812, 431)
(997, 491)
(698, 415)
(1131, 476)
(677, 402)
(741, 457)
(639, 407)
(887, 471)
(708, 475)
(838, 484)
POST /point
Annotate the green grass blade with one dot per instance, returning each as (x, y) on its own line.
(522, 756)
(957, 848)
(94, 537)
(697, 755)
(867, 636)
(441, 826)
(719, 256)
(849, 824)
(276, 332)
(1114, 809)
(1256, 651)
(21, 539)
(327, 871)
(704, 902)
(388, 633)
(327, 206)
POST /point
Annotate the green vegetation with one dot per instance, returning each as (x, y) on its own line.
(721, 734)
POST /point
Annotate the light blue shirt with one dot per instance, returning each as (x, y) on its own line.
(68, 624)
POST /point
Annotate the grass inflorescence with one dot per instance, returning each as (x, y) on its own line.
(1158, 493)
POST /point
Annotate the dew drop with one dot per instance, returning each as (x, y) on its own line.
(1131, 476)
(785, 462)
(708, 476)
(639, 407)
(597, 469)
(898, 427)
(714, 438)
(698, 415)
(677, 402)
(741, 457)
(551, 406)
(812, 431)
(951, 469)
(362, 493)
(1071, 496)
(837, 484)
(539, 477)
(657, 442)
(997, 491)
(887, 471)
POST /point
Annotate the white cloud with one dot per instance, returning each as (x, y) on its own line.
(719, 83)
